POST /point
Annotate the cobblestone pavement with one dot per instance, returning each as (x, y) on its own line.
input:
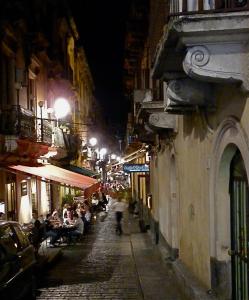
(105, 266)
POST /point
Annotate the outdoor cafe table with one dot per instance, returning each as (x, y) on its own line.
(64, 230)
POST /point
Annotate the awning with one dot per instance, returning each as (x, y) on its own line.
(61, 176)
(81, 170)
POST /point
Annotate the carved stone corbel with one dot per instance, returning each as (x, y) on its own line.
(217, 62)
(188, 92)
(162, 120)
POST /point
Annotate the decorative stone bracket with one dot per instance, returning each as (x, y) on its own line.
(188, 93)
(162, 120)
(206, 47)
(158, 119)
(219, 62)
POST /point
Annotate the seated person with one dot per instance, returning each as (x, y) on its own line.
(55, 220)
(50, 231)
(79, 227)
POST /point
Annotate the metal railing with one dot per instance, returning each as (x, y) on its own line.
(21, 122)
(188, 7)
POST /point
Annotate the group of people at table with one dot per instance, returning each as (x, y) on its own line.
(71, 224)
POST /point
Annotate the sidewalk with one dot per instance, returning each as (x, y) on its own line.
(156, 272)
(156, 276)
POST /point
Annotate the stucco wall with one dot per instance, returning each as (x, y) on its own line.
(193, 152)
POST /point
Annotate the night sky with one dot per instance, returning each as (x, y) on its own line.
(101, 25)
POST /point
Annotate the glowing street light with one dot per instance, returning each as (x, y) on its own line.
(93, 141)
(102, 152)
(113, 156)
(61, 108)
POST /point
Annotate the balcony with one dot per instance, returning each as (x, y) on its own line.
(203, 45)
(44, 132)
(67, 144)
(187, 7)
(18, 121)
(22, 123)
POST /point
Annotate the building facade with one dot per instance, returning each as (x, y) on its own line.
(41, 61)
(195, 106)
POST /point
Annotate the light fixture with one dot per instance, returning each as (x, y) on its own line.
(61, 108)
(41, 103)
(93, 141)
(113, 156)
(102, 153)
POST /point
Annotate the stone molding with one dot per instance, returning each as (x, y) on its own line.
(153, 106)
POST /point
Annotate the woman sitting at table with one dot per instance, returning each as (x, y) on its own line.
(79, 228)
(55, 220)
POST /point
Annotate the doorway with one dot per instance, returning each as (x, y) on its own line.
(239, 196)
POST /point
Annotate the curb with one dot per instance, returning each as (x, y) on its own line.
(190, 286)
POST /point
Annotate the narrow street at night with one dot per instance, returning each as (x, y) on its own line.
(124, 149)
(108, 266)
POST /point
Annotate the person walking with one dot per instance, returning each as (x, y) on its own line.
(119, 207)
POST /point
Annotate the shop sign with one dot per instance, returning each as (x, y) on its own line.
(128, 168)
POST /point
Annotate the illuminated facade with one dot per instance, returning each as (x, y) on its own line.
(39, 62)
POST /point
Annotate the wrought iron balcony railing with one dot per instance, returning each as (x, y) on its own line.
(186, 7)
(44, 132)
(21, 122)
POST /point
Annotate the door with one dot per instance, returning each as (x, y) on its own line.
(239, 228)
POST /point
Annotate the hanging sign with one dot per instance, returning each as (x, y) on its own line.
(128, 168)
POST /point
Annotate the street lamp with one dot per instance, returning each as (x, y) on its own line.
(61, 108)
(40, 103)
(103, 162)
(93, 141)
(113, 156)
(102, 153)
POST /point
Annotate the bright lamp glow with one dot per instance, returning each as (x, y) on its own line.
(113, 156)
(93, 141)
(103, 151)
(61, 108)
